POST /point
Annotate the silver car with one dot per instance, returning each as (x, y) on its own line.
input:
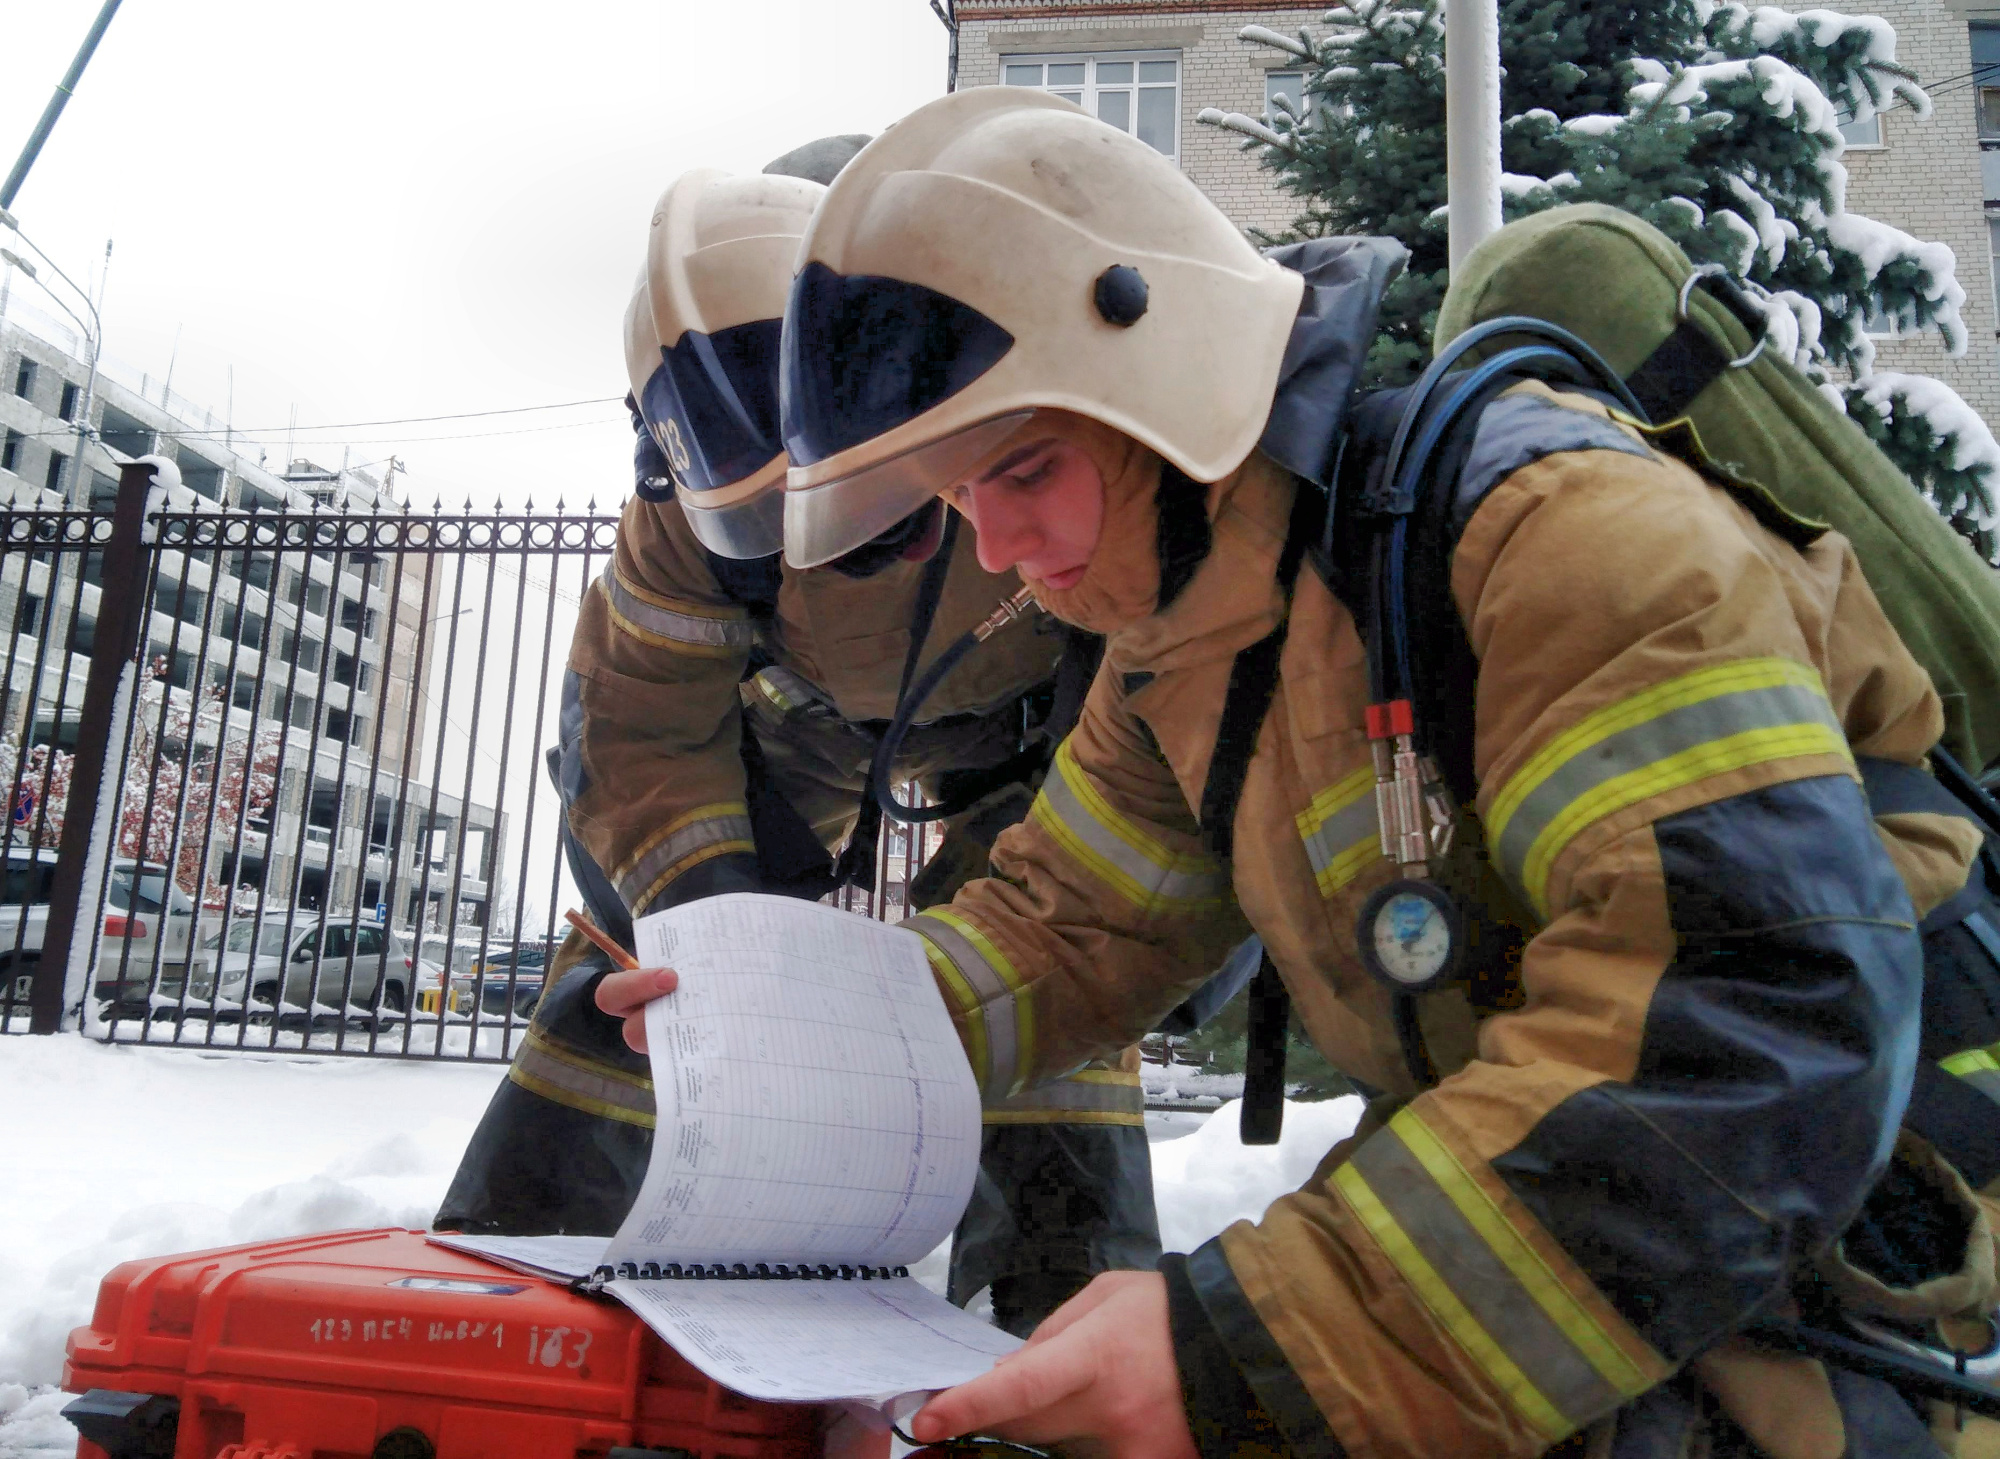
(145, 916)
(343, 970)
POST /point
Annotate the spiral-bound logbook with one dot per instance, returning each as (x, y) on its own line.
(818, 1131)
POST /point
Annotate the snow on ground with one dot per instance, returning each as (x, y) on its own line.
(121, 1152)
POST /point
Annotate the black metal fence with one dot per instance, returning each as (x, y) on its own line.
(275, 780)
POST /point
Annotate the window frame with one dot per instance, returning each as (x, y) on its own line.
(1993, 258)
(1880, 144)
(1090, 87)
(1273, 74)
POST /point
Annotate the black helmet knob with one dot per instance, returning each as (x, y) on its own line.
(1121, 295)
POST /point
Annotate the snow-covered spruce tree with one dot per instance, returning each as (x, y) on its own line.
(1717, 123)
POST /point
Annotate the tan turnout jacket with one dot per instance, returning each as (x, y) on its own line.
(1669, 704)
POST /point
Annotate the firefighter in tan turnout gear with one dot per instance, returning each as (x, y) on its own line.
(1672, 1070)
(719, 715)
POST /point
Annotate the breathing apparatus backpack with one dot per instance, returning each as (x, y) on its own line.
(1694, 353)
(1593, 299)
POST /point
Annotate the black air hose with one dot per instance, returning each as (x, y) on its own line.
(891, 743)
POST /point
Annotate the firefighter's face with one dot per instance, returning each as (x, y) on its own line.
(1038, 509)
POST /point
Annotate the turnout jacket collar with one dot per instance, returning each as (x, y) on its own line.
(1345, 279)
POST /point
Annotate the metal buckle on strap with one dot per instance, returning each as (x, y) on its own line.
(1982, 1366)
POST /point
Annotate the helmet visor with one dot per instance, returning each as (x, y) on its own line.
(745, 521)
(713, 404)
(863, 354)
(832, 519)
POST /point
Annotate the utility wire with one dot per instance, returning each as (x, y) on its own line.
(362, 441)
(406, 420)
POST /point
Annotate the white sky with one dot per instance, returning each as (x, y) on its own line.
(378, 209)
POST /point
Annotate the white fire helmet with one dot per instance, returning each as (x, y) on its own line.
(997, 252)
(701, 348)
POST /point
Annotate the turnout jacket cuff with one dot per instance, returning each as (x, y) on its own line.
(1241, 1396)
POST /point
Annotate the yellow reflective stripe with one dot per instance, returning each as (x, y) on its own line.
(1978, 1067)
(1117, 851)
(998, 995)
(1973, 1061)
(1008, 1115)
(1342, 834)
(1557, 1358)
(1445, 1306)
(1612, 1363)
(701, 834)
(786, 689)
(960, 994)
(661, 622)
(1715, 720)
(1087, 1097)
(544, 1067)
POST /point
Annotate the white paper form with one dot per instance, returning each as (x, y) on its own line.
(814, 1102)
(541, 1256)
(818, 1342)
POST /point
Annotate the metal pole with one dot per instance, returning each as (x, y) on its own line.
(89, 821)
(56, 104)
(1472, 122)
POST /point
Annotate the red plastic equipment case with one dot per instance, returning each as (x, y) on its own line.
(379, 1345)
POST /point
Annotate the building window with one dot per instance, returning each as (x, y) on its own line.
(1289, 84)
(1861, 135)
(1135, 91)
(1878, 325)
(10, 452)
(103, 492)
(72, 396)
(1993, 243)
(53, 481)
(24, 379)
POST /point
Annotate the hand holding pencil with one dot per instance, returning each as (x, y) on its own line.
(628, 988)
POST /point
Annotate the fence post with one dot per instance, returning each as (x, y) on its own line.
(62, 980)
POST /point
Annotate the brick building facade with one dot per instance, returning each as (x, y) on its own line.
(1214, 69)
(1922, 176)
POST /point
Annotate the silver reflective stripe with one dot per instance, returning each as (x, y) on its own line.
(546, 1068)
(1117, 852)
(1512, 1321)
(1673, 735)
(669, 627)
(714, 830)
(994, 998)
(1089, 1096)
(790, 691)
(1341, 831)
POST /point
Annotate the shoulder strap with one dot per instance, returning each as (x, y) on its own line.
(1253, 679)
(857, 860)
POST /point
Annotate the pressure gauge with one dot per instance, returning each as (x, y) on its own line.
(1410, 936)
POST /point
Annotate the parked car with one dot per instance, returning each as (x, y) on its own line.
(372, 966)
(497, 986)
(144, 914)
